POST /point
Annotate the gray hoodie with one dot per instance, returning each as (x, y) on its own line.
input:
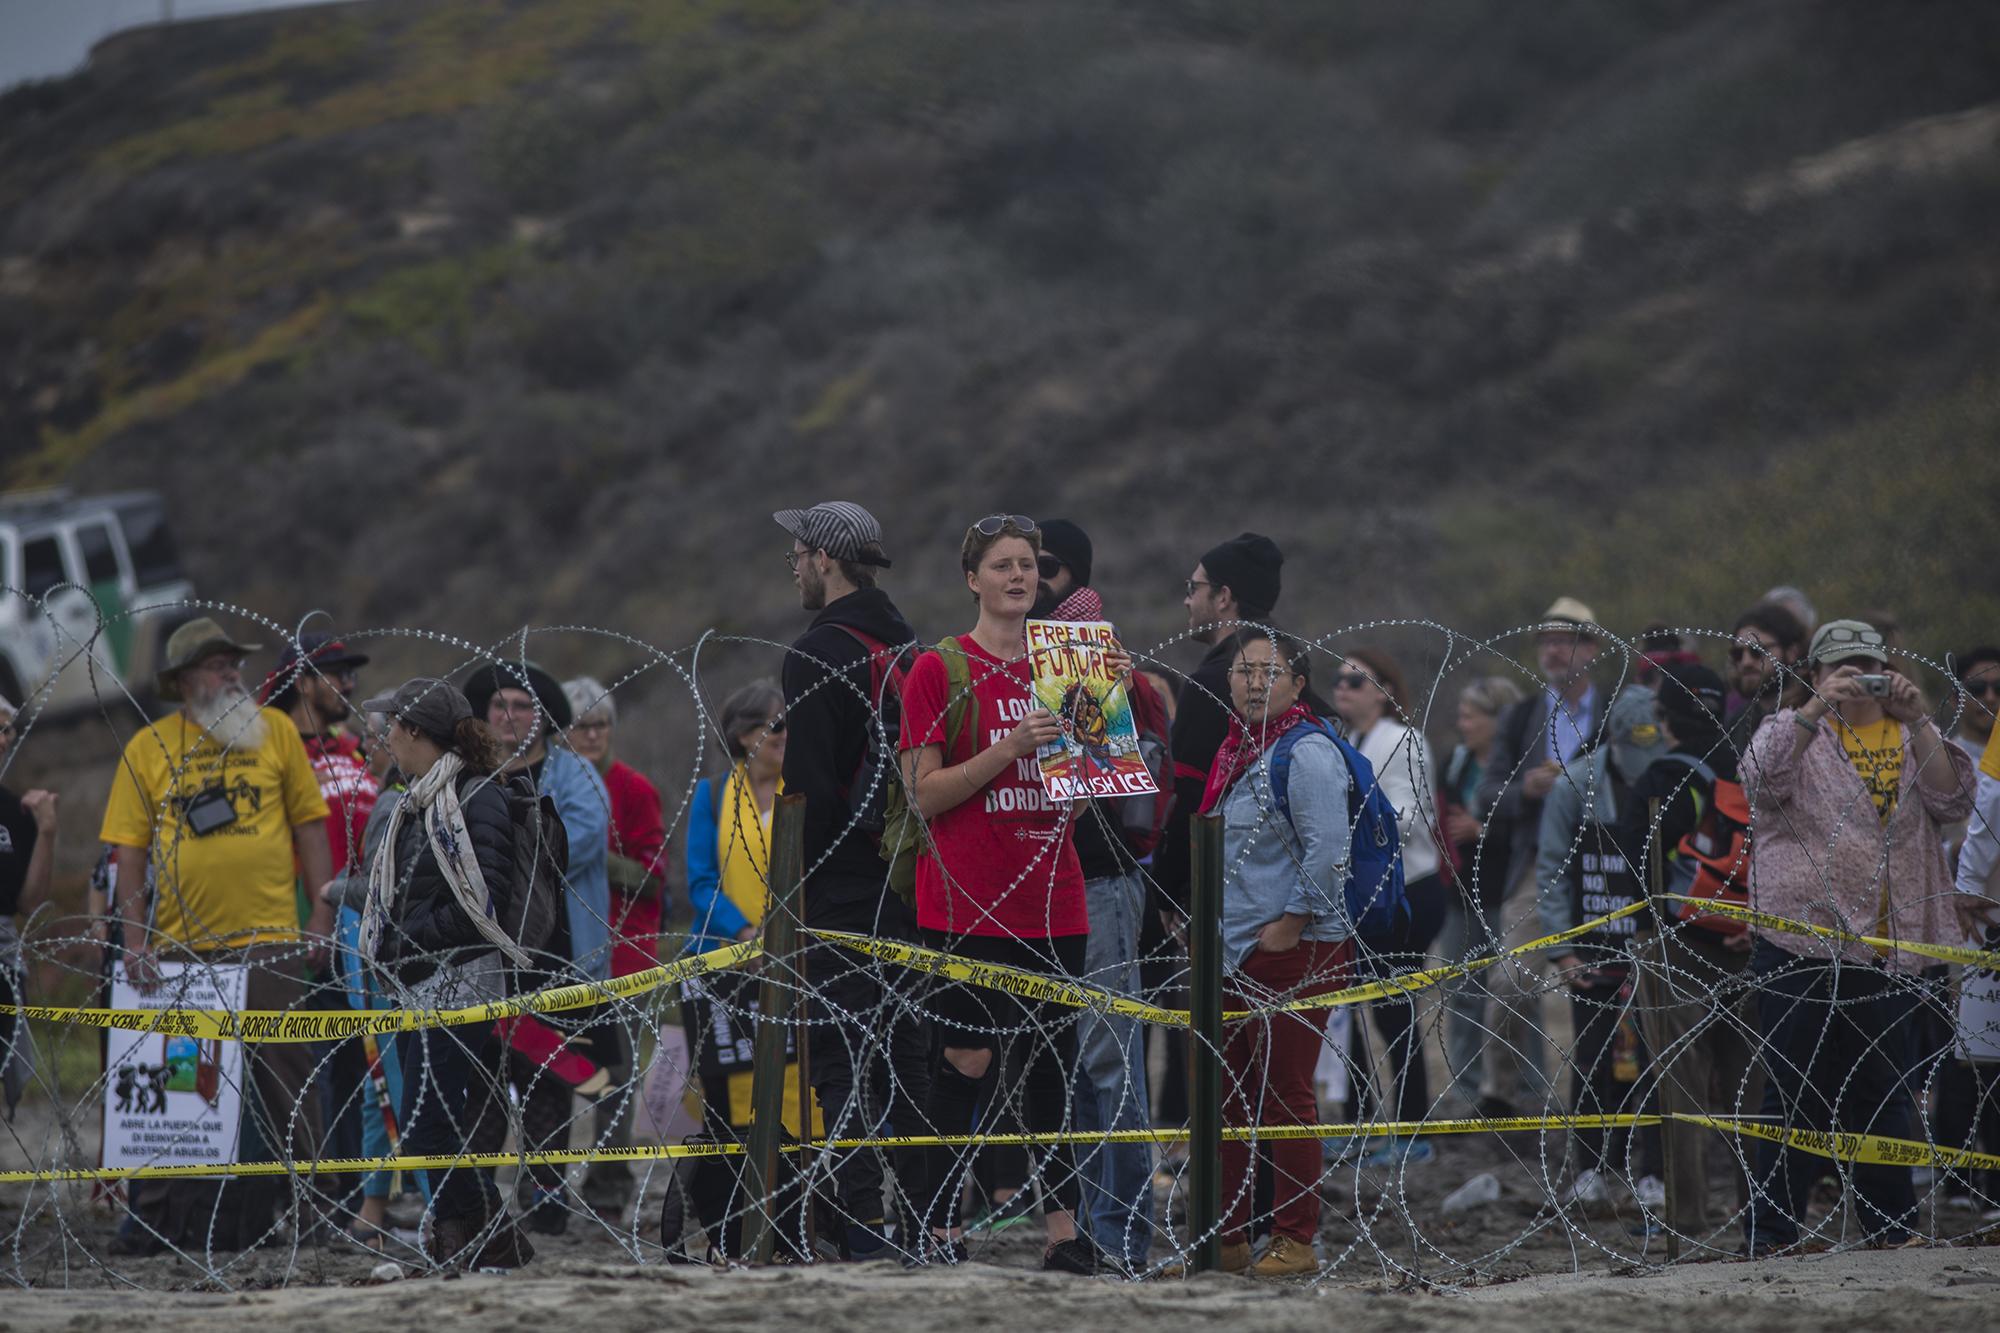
(1271, 865)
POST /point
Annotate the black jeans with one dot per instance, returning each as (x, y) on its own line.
(1043, 1035)
(1596, 1013)
(1395, 1018)
(1837, 1046)
(868, 1051)
(452, 1105)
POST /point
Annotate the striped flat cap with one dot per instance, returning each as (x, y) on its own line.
(841, 528)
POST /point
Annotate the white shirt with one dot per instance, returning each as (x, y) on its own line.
(1403, 769)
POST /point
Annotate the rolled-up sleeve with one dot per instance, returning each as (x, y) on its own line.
(1317, 792)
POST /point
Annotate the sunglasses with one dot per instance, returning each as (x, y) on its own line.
(1353, 680)
(1744, 651)
(995, 524)
(1049, 566)
(1192, 584)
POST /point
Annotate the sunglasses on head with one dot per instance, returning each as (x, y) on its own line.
(995, 524)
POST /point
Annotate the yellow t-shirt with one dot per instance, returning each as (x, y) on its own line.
(1876, 751)
(234, 884)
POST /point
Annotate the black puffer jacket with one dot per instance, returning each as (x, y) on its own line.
(428, 928)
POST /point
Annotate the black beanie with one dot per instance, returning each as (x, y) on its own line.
(1690, 697)
(1248, 566)
(1066, 542)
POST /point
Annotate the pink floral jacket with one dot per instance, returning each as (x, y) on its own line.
(1819, 853)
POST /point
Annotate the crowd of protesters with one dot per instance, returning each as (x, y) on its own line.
(448, 843)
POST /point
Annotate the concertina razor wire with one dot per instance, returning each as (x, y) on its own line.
(1677, 1096)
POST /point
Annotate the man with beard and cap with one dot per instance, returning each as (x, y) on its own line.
(1589, 863)
(220, 798)
(524, 705)
(873, 1048)
(1111, 1068)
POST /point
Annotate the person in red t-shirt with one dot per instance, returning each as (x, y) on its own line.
(314, 682)
(1001, 882)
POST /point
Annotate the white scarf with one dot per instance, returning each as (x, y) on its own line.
(435, 797)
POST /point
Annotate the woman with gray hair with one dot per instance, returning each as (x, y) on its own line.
(638, 830)
(1475, 872)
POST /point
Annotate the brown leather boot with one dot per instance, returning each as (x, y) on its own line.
(451, 1243)
(507, 1248)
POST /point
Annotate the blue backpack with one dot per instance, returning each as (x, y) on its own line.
(1376, 902)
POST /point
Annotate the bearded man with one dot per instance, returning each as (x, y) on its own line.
(220, 797)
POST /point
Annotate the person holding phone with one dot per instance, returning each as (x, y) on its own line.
(1849, 794)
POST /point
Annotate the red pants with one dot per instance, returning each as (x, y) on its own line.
(1268, 1080)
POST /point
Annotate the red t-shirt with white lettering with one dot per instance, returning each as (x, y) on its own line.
(1003, 863)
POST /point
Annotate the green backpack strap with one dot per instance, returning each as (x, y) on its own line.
(959, 698)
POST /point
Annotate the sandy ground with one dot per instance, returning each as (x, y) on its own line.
(1929, 1289)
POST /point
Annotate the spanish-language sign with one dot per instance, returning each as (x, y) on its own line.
(172, 1098)
(1098, 752)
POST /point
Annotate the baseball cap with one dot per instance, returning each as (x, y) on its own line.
(325, 652)
(432, 706)
(841, 528)
(1846, 640)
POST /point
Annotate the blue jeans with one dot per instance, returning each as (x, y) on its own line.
(1110, 1089)
(1837, 1041)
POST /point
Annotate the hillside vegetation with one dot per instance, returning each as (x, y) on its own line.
(470, 313)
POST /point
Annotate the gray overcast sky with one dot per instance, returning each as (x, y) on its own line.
(43, 38)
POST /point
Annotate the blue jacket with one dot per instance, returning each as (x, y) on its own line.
(716, 918)
(585, 806)
(1273, 865)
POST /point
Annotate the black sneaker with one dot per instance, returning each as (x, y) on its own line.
(1080, 1255)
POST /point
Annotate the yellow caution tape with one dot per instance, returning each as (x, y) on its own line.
(1948, 953)
(282, 1025)
(1874, 1149)
(1075, 994)
(668, 1152)
(997, 976)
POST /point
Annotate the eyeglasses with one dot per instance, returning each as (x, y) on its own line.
(512, 707)
(1260, 670)
(770, 727)
(1192, 584)
(1049, 566)
(1353, 680)
(995, 524)
(793, 556)
(220, 664)
(591, 728)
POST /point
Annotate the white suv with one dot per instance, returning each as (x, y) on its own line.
(89, 591)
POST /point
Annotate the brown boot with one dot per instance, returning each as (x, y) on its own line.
(451, 1243)
(1287, 1257)
(507, 1248)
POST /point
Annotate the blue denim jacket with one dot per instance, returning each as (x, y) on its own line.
(1271, 865)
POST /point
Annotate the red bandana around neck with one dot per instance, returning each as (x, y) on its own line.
(1246, 744)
